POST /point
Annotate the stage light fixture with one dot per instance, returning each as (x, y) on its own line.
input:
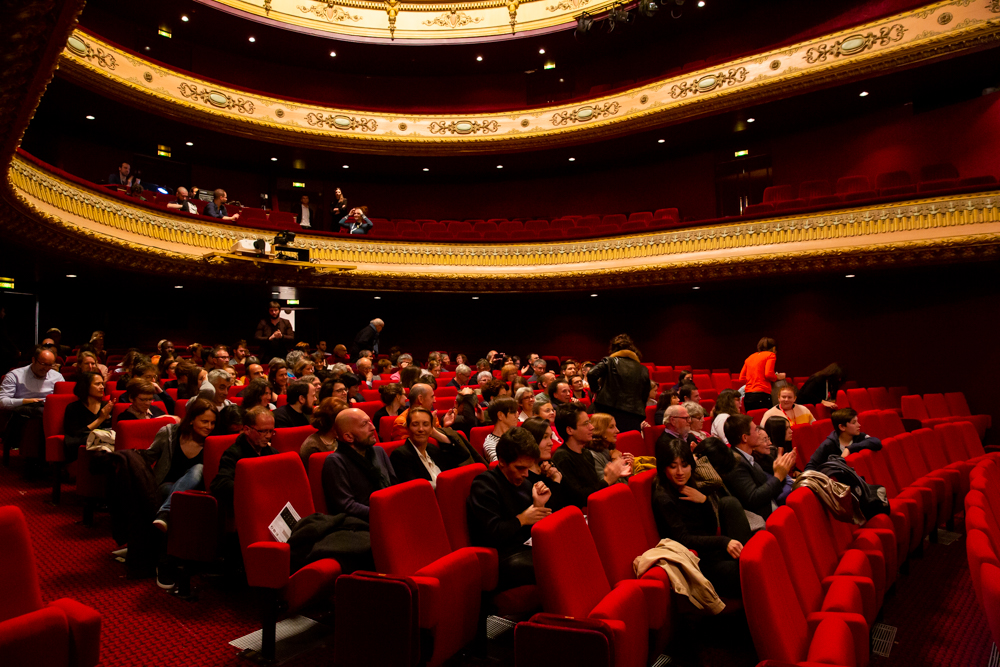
(162, 191)
(274, 159)
(648, 7)
(584, 22)
(617, 15)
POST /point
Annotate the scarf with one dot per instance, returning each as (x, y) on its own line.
(368, 465)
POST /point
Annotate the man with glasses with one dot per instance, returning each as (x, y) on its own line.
(756, 490)
(23, 394)
(574, 460)
(218, 358)
(678, 423)
(254, 440)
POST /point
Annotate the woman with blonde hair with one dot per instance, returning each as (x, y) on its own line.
(603, 444)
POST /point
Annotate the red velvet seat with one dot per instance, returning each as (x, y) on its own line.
(138, 433)
(616, 219)
(282, 219)
(940, 504)
(666, 213)
(468, 236)
(633, 443)
(791, 204)
(939, 407)
(805, 442)
(917, 502)
(780, 630)
(53, 415)
(263, 486)
(510, 226)
(759, 209)
(456, 226)
(651, 435)
(291, 439)
(432, 226)
(573, 583)
(62, 633)
(644, 217)
(536, 225)
(523, 235)
(810, 189)
(776, 193)
(315, 473)
(63, 387)
(634, 226)
(478, 437)
(484, 226)
(409, 539)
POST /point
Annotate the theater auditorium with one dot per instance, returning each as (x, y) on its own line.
(499, 333)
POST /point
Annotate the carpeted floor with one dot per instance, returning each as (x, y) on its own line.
(934, 607)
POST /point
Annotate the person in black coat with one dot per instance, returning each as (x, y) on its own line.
(87, 414)
(620, 384)
(367, 338)
(503, 505)
(756, 490)
(846, 438)
(274, 333)
(427, 452)
(121, 177)
(717, 528)
(305, 215)
(255, 440)
(301, 397)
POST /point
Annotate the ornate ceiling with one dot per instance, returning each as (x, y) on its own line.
(934, 31)
(422, 21)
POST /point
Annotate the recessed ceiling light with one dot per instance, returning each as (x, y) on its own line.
(701, 3)
(147, 48)
(499, 166)
(572, 159)
(479, 58)
(184, 18)
(346, 166)
(333, 54)
(661, 141)
(274, 159)
(189, 143)
(849, 275)
(561, 80)
(377, 298)
(750, 120)
(90, 118)
(178, 286)
(475, 298)
(695, 287)
(864, 93)
(253, 39)
(541, 51)
(593, 295)
(426, 169)
(71, 275)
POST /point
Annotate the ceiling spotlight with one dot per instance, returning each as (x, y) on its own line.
(347, 166)
(90, 118)
(583, 24)
(661, 141)
(541, 52)
(561, 80)
(572, 159)
(178, 286)
(253, 39)
(849, 275)
(185, 18)
(479, 58)
(648, 7)
(750, 120)
(333, 54)
(377, 298)
(864, 93)
(499, 166)
(593, 295)
(147, 48)
(701, 3)
(618, 14)
(163, 191)
(189, 143)
(695, 287)
(71, 275)
(274, 159)
(475, 298)
(426, 169)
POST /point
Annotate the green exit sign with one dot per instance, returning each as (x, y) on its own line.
(292, 302)
(297, 184)
(742, 153)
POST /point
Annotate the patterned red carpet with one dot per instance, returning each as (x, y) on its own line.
(934, 608)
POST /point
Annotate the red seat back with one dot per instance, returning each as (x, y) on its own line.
(54, 413)
(385, 428)
(860, 400)
(407, 530)
(892, 425)
(880, 398)
(651, 435)
(315, 472)
(63, 387)
(568, 568)
(291, 439)
(263, 485)
(757, 415)
(215, 447)
(871, 423)
(369, 407)
(957, 405)
(913, 407)
(936, 405)
(617, 529)
(18, 576)
(641, 486)
(805, 442)
(390, 446)
(479, 434)
(633, 443)
(452, 492)
(139, 433)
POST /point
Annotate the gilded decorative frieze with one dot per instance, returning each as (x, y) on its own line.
(865, 50)
(453, 20)
(329, 12)
(83, 49)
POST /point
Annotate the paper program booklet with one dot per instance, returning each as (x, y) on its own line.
(282, 525)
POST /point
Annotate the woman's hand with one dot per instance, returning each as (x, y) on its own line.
(693, 494)
(448, 419)
(735, 548)
(830, 404)
(106, 410)
(551, 472)
(644, 425)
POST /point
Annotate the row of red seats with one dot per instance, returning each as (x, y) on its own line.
(937, 179)
(982, 541)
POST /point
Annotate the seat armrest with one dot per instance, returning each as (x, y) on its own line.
(657, 596)
(855, 622)
(832, 642)
(55, 451)
(489, 564)
(268, 564)
(84, 632)
(865, 588)
(439, 580)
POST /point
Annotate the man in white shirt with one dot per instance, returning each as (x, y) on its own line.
(23, 394)
(303, 214)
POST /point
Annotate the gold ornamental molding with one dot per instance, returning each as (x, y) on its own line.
(933, 31)
(415, 21)
(956, 228)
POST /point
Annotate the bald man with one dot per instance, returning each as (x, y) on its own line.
(357, 469)
(23, 394)
(183, 204)
(422, 395)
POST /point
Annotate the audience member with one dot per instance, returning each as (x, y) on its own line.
(467, 412)
(654, 392)
(543, 408)
(340, 355)
(301, 398)
(538, 367)
(356, 222)
(603, 446)
(402, 361)
(576, 462)
(421, 395)
(786, 408)
(409, 376)
(502, 414)
(764, 456)
(277, 376)
(525, 399)
(89, 413)
(240, 354)
(182, 203)
(503, 505)
(779, 432)
(758, 374)
(305, 215)
(696, 417)
(144, 370)
(140, 395)
(338, 208)
(367, 338)
(434, 368)
(822, 387)
(716, 528)
(560, 392)
(846, 438)
(620, 384)
(678, 423)
(756, 490)
(304, 367)
(87, 362)
(254, 440)
(428, 451)
(254, 371)
(393, 401)
(176, 454)
(727, 403)
(365, 373)
(684, 377)
(462, 375)
(383, 366)
(189, 379)
(666, 399)
(689, 392)
(274, 333)
(576, 384)
(491, 390)
(543, 470)
(483, 376)
(97, 346)
(217, 207)
(121, 177)
(291, 360)
(324, 419)
(258, 393)
(357, 469)
(23, 392)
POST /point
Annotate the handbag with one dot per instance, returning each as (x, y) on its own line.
(102, 440)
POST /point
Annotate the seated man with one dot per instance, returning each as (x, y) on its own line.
(503, 506)
(301, 398)
(560, 392)
(365, 373)
(538, 366)
(140, 393)
(217, 207)
(678, 423)
(462, 375)
(23, 394)
(503, 415)
(183, 204)
(545, 380)
(254, 371)
(356, 222)
(357, 469)
(148, 372)
(254, 440)
(576, 462)
(121, 177)
(402, 362)
(756, 490)
(845, 439)
(420, 395)
(688, 392)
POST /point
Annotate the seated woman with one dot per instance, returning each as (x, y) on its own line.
(189, 379)
(543, 470)
(654, 389)
(602, 446)
(277, 375)
(90, 412)
(525, 397)
(786, 408)
(87, 362)
(258, 392)
(716, 528)
(686, 377)
(542, 407)
(176, 455)
(728, 403)
(304, 367)
(427, 451)
(667, 398)
(696, 417)
(822, 386)
(503, 505)
(124, 372)
(324, 419)
(167, 368)
(393, 400)
(148, 372)
(140, 394)
(779, 433)
(468, 414)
